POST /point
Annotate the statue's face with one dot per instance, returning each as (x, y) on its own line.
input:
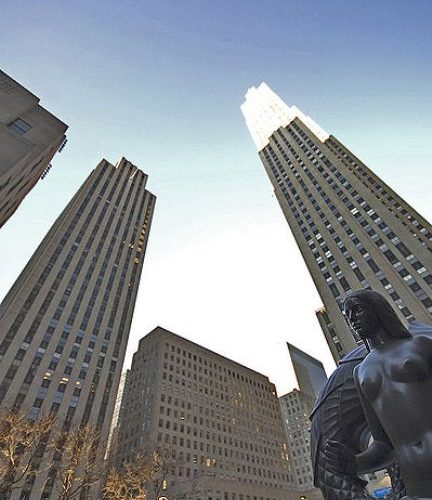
(362, 318)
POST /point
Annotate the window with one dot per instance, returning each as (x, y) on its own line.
(19, 126)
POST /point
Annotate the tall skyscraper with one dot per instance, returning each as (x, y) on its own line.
(352, 229)
(29, 138)
(220, 422)
(310, 373)
(296, 406)
(65, 323)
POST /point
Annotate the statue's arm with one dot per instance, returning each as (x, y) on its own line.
(342, 460)
(377, 456)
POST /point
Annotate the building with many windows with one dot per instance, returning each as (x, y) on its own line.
(352, 229)
(220, 422)
(296, 407)
(29, 138)
(310, 373)
(64, 325)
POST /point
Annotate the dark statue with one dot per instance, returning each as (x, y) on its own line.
(383, 390)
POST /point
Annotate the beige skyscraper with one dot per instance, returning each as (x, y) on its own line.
(352, 229)
(29, 138)
(220, 421)
(64, 325)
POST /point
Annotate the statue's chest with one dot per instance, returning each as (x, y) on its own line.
(371, 382)
(405, 364)
(411, 366)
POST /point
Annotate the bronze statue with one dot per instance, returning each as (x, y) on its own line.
(394, 384)
(338, 416)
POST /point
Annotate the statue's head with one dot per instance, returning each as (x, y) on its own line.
(368, 312)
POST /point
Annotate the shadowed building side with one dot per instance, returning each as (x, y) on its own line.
(310, 373)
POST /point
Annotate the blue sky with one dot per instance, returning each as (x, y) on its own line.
(161, 83)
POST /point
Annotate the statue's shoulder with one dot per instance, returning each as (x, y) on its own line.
(417, 328)
(370, 361)
(421, 333)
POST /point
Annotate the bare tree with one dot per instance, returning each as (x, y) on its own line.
(146, 478)
(80, 464)
(133, 481)
(22, 443)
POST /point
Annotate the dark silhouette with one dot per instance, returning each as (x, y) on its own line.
(338, 415)
(394, 383)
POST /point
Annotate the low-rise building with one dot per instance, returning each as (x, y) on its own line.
(220, 421)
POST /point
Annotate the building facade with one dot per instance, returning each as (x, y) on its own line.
(64, 324)
(29, 138)
(220, 422)
(119, 409)
(310, 373)
(296, 406)
(352, 229)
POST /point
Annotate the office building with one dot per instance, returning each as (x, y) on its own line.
(64, 324)
(352, 229)
(310, 373)
(118, 413)
(29, 138)
(220, 421)
(296, 406)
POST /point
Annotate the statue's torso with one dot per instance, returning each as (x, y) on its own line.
(396, 379)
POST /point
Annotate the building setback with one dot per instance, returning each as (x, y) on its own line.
(296, 406)
(220, 421)
(352, 229)
(29, 138)
(310, 373)
(64, 324)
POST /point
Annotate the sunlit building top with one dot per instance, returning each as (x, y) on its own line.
(265, 112)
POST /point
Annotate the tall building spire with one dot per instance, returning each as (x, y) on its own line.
(352, 229)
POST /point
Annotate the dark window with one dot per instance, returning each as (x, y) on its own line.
(19, 126)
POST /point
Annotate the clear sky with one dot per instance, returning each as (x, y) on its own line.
(161, 83)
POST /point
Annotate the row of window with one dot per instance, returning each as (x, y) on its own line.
(396, 206)
(335, 291)
(371, 232)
